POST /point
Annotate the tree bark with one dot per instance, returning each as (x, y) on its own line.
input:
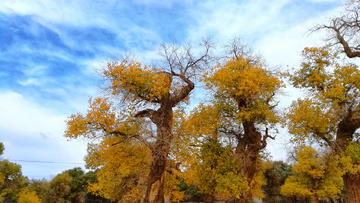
(352, 187)
(248, 149)
(346, 130)
(314, 199)
(163, 119)
(209, 198)
(155, 183)
(289, 200)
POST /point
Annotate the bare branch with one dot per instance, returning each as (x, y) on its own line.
(264, 140)
(344, 31)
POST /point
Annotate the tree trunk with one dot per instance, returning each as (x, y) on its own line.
(352, 187)
(155, 183)
(313, 199)
(344, 135)
(289, 200)
(209, 198)
(248, 149)
(243, 199)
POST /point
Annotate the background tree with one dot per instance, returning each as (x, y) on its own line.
(2, 148)
(60, 188)
(191, 192)
(27, 196)
(344, 31)
(41, 188)
(91, 178)
(2, 177)
(316, 177)
(275, 177)
(12, 180)
(330, 115)
(78, 185)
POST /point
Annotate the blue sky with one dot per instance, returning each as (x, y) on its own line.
(49, 51)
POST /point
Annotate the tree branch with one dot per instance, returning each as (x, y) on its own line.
(263, 141)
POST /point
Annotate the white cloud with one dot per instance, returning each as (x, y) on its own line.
(23, 124)
(30, 81)
(233, 19)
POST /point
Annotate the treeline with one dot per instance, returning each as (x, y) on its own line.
(71, 186)
(68, 187)
(148, 146)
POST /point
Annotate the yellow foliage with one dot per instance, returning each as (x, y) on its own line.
(308, 163)
(349, 159)
(314, 176)
(251, 85)
(101, 117)
(2, 177)
(334, 87)
(258, 179)
(171, 188)
(124, 169)
(138, 82)
(296, 186)
(27, 196)
(308, 118)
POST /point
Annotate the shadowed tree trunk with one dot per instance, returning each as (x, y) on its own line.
(346, 130)
(352, 187)
(248, 148)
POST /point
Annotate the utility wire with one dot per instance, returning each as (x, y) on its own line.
(46, 162)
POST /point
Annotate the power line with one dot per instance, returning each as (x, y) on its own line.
(45, 162)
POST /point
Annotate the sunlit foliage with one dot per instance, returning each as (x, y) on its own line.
(27, 196)
(315, 176)
(124, 169)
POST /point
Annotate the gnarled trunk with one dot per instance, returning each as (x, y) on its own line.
(248, 149)
(155, 183)
(352, 187)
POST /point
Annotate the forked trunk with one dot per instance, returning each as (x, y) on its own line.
(352, 187)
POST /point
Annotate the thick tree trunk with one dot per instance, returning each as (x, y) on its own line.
(248, 149)
(352, 187)
(155, 183)
(346, 130)
(163, 119)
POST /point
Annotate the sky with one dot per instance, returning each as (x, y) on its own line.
(50, 51)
